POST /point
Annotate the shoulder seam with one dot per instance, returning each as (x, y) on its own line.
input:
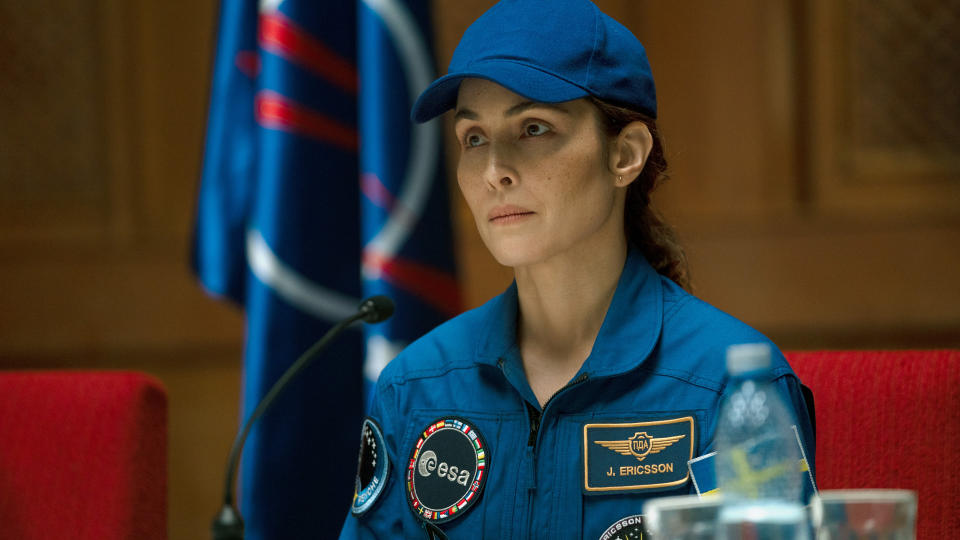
(689, 378)
(428, 373)
(677, 304)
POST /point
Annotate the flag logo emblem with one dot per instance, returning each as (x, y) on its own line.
(447, 470)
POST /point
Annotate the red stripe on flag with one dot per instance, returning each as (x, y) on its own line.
(433, 286)
(248, 62)
(275, 111)
(283, 37)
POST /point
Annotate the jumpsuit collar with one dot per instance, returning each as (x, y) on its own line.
(629, 333)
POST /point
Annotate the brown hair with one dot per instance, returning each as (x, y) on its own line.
(644, 227)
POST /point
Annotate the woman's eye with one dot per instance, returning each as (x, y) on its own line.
(535, 129)
(473, 139)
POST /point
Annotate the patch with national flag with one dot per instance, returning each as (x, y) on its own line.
(447, 470)
(647, 455)
(704, 476)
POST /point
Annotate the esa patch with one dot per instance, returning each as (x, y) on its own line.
(631, 456)
(628, 528)
(447, 470)
(372, 469)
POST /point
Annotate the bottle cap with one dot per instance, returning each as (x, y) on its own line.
(748, 357)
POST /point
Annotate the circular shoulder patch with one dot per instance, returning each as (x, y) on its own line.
(447, 470)
(372, 469)
(628, 528)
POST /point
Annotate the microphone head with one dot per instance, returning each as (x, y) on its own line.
(376, 308)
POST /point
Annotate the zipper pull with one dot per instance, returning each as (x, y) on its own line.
(531, 459)
(535, 416)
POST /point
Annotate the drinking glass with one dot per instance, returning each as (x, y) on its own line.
(763, 519)
(685, 517)
(875, 514)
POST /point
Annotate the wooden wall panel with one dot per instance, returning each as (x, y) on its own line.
(725, 122)
(175, 63)
(51, 68)
(104, 105)
(883, 80)
(816, 284)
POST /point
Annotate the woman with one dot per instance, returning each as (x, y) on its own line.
(558, 407)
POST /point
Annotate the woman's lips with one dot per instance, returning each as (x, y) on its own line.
(508, 214)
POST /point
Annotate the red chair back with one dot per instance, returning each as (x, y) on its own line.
(890, 419)
(82, 456)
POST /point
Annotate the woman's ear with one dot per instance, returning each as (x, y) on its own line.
(629, 152)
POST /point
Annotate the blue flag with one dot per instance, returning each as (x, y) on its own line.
(288, 227)
(406, 218)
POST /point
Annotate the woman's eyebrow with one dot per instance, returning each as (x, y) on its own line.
(467, 114)
(526, 105)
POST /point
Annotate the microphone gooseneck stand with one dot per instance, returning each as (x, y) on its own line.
(227, 524)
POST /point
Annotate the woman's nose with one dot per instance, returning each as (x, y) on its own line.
(500, 172)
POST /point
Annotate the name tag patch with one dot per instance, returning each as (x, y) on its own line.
(637, 455)
(447, 470)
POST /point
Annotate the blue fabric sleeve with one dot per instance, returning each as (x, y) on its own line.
(385, 519)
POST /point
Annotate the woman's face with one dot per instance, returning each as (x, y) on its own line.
(535, 175)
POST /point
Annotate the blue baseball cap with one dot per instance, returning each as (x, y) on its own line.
(547, 51)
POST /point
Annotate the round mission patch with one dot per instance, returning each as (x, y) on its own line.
(447, 470)
(372, 469)
(628, 528)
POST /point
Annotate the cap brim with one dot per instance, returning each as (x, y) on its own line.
(530, 82)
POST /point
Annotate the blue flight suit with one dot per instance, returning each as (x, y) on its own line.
(659, 356)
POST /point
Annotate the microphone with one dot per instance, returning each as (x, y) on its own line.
(228, 524)
(376, 309)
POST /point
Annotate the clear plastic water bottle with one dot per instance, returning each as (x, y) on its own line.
(758, 457)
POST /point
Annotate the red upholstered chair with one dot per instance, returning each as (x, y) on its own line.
(890, 419)
(82, 456)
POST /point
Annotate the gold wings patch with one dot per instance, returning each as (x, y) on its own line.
(628, 447)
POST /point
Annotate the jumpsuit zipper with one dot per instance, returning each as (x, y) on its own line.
(536, 415)
(536, 418)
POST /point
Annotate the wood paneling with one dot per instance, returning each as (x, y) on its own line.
(51, 69)
(725, 120)
(103, 106)
(884, 108)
